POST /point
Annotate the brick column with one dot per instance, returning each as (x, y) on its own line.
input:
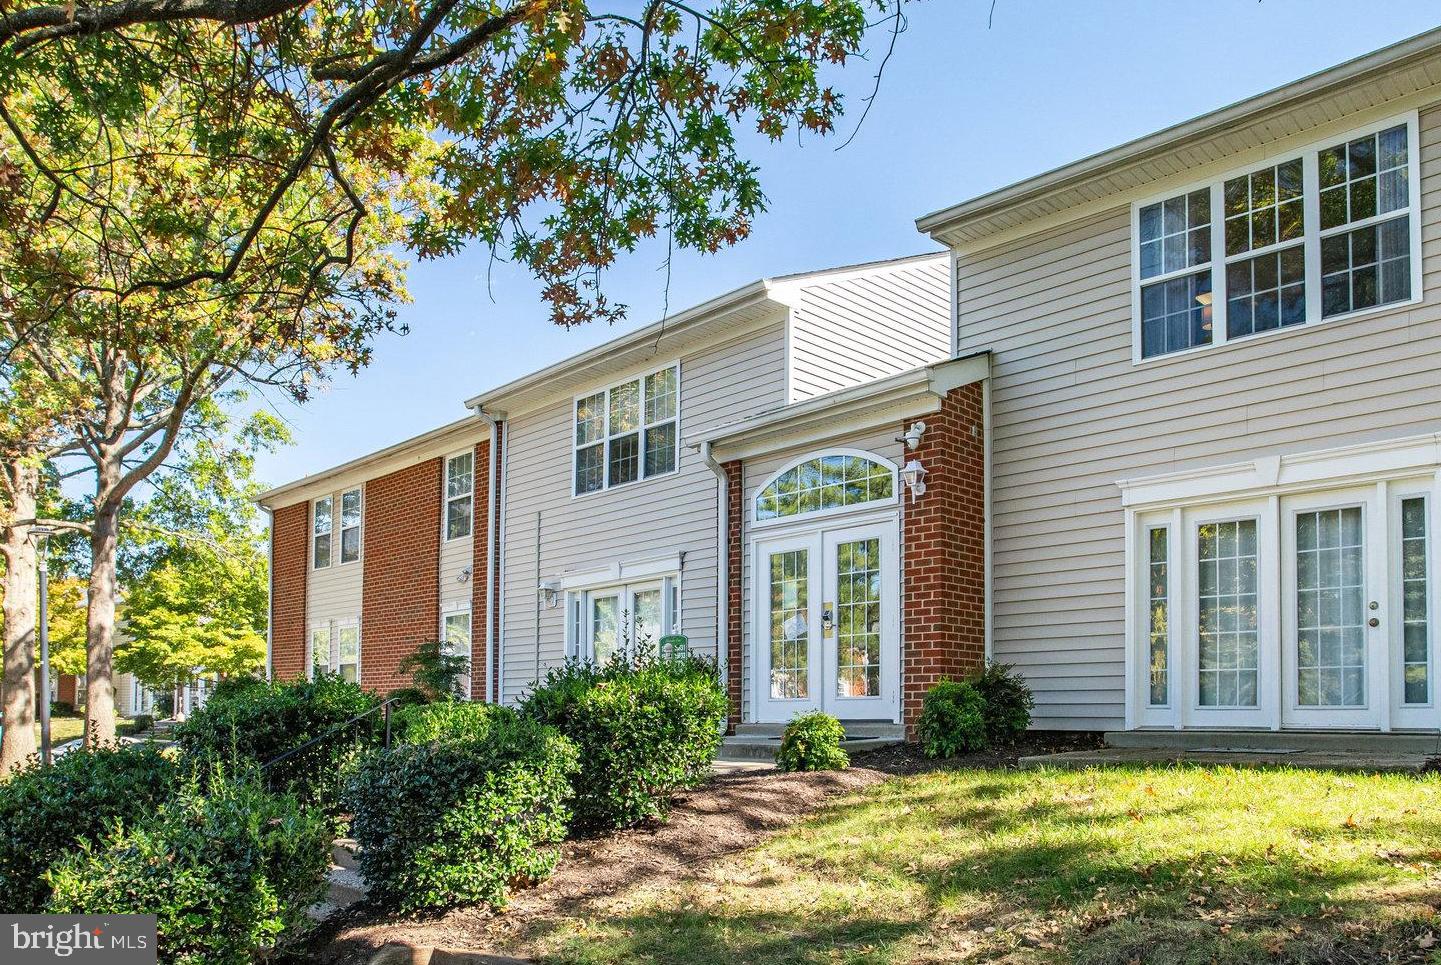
(289, 567)
(732, 616)
(400, 595)
(943, 541)
(482, 594)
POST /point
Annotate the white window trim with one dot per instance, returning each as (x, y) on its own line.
(856, 509)
(329, 534)
(455, 608)
(1398, 468)
(310, 648)
(338, 626)
(340, 529)
(1311, 239)
(575, 447)
(447, 499)
(577, 609)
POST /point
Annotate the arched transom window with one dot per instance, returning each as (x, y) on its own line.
(827, 482)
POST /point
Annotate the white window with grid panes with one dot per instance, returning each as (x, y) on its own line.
(459, 495)
(1317, 233)
(628, 431)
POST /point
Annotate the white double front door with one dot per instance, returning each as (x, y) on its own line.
(1306, 610)
(826, 623)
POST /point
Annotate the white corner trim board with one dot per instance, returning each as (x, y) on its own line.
(1266, 475)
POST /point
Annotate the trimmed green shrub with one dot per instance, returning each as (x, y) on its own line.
(449, 720)
(953, 720)
(461, 821)
(1008, 701)
(230, 687)
(645, 731)
(437, 673)
(46, 813)
(257, 724)
(227, 873)
(812, 742)
(402, 697)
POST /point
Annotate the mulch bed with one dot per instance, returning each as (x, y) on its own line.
(732, 813)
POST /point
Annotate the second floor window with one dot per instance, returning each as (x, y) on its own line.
(627, 432)
(350, 526)
(324, 521)
(1311, 235)
(459, 494)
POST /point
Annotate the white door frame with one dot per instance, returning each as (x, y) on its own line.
(1375, 549)
(820, 539)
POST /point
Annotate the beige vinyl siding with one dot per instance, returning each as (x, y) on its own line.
(334, 593)
(868, 325)
(1071, 415)
(648, 519)
(756, 473)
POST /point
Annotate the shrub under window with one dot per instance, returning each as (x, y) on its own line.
(461, 821)
(645, 731)
(258, 724)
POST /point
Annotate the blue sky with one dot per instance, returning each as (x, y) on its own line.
(962, 109)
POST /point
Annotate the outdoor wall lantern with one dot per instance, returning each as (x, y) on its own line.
(914, 476)
(550, 589)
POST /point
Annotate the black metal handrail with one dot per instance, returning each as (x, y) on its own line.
(383, 707)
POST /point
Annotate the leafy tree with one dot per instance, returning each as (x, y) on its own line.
(194, 566)
(201, 194)
(570, 130)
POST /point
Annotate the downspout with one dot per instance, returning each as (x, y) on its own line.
(269, 600)
(490, 555)
(988, 621)
(722, 565)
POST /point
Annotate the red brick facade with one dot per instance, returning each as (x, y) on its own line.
(733, 589)
(65, 688)
(943, 542)
(480, 600)
(289, 564)
(400, 595)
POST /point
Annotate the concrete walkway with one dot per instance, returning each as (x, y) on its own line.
(1326, 760)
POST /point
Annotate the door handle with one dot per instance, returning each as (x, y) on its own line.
(1373, 623)
(828, 621)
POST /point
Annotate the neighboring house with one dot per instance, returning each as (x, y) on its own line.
(1162, 430)
(1215, 406)
(612, 502)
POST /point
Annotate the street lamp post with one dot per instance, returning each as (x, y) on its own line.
(43, 625)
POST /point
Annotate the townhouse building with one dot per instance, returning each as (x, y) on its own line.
(1161, 428)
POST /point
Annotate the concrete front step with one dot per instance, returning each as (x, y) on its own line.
(1279, 742)
(346, 884)
(855, 729)
(760, 742)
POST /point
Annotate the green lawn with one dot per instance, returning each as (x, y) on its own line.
(1185, 864)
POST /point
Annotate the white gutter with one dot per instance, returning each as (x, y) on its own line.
(722, 633)
(491, 511)
(269, 599)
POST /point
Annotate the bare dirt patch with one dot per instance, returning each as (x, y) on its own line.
(730, 814)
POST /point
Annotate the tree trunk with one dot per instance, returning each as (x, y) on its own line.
(100, 624)
(18, 550)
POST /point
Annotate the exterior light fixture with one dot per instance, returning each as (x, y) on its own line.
(912, 438)
(914, 476)
(550, 590)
